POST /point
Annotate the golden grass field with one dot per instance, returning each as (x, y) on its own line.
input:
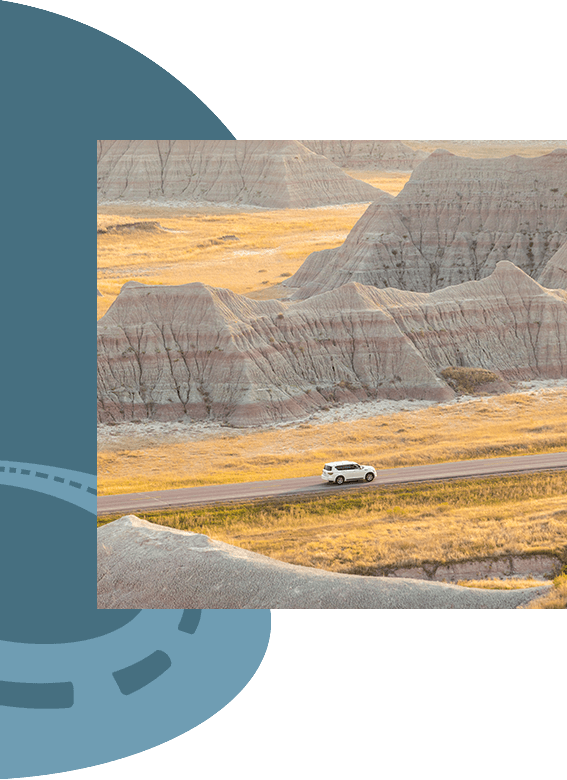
(251, 252)
(513, 424)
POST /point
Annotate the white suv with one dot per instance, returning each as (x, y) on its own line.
(341, 471)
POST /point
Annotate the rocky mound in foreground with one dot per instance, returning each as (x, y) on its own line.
(369, 155)
(142, 565)
(455, 219)
(199, 352)
(272, 174)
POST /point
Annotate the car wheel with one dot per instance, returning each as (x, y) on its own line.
(339, 480)
(369, 477)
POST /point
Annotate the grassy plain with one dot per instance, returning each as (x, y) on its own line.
(513, 424)
(245, 251)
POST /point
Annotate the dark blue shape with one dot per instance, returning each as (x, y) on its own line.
(189, 620)
(36, 696)
(65, 85)
(136, 676)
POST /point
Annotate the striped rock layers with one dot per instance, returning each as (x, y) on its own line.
(198, 352)
(272, 174)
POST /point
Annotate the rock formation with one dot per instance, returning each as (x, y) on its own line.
(200, 352)
(503, 144)
(454, 220)
(272, 174)
(368, 155)
(554, 275)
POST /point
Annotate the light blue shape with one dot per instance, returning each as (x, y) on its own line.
(208, 669)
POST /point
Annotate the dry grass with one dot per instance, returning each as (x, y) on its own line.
(514, 424)
(392, 182)
(555, 599)
(468, 380)
(369, 531)
(508, 584)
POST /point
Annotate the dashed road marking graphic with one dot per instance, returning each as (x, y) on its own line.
(142, 673)
(37, 696)
(76, 487)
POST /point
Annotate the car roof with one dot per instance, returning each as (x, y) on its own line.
(340, 462)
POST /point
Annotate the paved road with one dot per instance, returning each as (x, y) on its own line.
(130, 503)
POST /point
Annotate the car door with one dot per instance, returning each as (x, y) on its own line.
(357, 472)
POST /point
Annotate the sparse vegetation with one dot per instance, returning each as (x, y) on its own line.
(507, 584)
(555, 599)
(468, 380)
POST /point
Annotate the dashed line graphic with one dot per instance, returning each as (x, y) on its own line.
(142, 673)
(136, 676)
(76, 487)
(37, 696)
(189, 620)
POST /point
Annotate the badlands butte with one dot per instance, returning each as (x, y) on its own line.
(206, 353)
(465, 267)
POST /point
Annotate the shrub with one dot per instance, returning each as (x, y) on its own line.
(467, 380)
